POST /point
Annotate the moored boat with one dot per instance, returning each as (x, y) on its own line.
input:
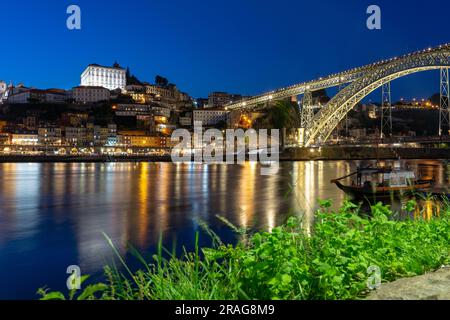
(375, 184)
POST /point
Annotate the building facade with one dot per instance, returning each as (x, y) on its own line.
(100, 136)
(90, 94)
(74, 119)
(140, 139)
(221, 99)
(24, 139)
(31, 122)
(51, 136)
(110, 78)
(38, 96)
(210, 117)
(167, 96)
(133, 110)
(185, 121)
(76, 136)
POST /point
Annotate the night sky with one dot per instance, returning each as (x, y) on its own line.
(241, 46)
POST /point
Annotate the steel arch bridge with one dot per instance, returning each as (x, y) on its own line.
(361, 82)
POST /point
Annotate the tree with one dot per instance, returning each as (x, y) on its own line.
(435, 99)
(280, 115)
(284, 114)
(131, 79)
(161, 81)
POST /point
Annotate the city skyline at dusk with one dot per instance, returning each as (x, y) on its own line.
(247, 48)
(224, 159)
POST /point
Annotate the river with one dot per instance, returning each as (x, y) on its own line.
(53, 215)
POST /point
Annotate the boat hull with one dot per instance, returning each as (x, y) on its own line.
(381, 193)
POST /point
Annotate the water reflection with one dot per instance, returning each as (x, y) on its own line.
(310, 182)
(54, 215)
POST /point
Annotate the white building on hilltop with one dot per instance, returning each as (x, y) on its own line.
(108, 77)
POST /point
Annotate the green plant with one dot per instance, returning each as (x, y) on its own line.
(330, 263)
(91, 292)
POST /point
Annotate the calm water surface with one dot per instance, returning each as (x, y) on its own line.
(53, 215)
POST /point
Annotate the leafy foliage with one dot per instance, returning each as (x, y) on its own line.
(89, 293)
(161, 81)
(131, 78)
(287, 263)
(284, 114)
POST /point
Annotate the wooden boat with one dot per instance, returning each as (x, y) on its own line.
(375, 184)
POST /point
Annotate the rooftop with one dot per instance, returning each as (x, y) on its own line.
(41, 91)
(90, 87)
(116, 67)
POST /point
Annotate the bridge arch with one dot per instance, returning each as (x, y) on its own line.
(327, 119)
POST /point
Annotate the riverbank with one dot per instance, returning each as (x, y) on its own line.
(297, 154)
(431, 286)
(343, 258)
(363, 153)
(80, 159)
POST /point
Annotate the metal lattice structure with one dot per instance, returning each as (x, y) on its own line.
(444, 111)
(386, 111)
(329, 117)
(361, 82)
(330, 81)
(346, 127)
(333, 80)
(307, 112)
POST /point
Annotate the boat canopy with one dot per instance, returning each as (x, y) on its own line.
(399, 178)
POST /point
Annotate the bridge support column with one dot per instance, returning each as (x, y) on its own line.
(342, 86)
(444, 112)
(386, 111)
(307, 110)
(301, 137)
(307, 115)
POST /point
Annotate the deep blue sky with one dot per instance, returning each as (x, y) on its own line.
(242, 46)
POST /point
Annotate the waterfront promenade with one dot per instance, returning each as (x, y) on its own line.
(294, 154)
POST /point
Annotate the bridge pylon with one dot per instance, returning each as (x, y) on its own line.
(307, 115)
(386, 111)
(444, 111)
(342, 86)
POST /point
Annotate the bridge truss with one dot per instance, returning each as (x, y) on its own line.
(318, 127)
(386, 111)
(444, 116)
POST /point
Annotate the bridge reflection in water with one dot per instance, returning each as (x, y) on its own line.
(53, 215)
